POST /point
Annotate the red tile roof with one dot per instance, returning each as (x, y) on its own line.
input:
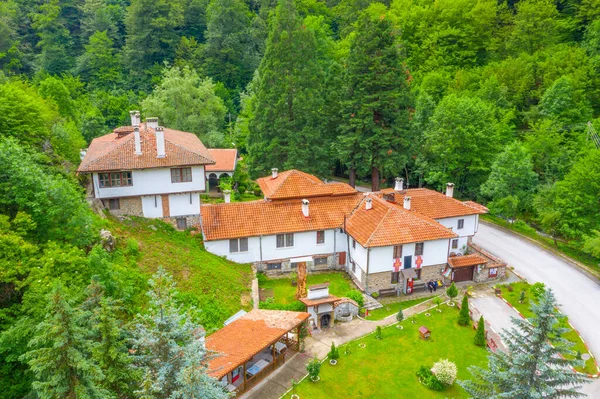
(116, 151)
(255, 218)
(466, 261)
(318, 301)
(239, 341)
(296, 184)
(433, 204)
(225, 159)
(387, 224)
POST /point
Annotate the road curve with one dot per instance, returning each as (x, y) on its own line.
(577, 294)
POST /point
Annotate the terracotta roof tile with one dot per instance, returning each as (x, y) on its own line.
(255, 218)
(387, 224)
(116, 151)
(296, 184)
(318, 301)
(433, 204)
(225, 159)
(466, 260)
(240, 340)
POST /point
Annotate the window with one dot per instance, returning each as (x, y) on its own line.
(455, 243)
(321, 237)
(395, 277)
(181, 175)
(419, 248)
(494, 272)
(320, 261)
(115, 179)
(114, 204)
(353, 243)
(285, 240)
(181, 224)
(461, 223)
(238, 245)
(397, 251)
(274, 266)
(294, 265)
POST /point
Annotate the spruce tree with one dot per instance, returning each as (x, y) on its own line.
(452, 291)
(532, 368)
(480, 333)
(59, 358)
(373, 134)
(168, 348)
(463, 317)
(55, 39)
(287, 129)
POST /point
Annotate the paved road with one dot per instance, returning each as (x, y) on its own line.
(495, 311)
(577, 294)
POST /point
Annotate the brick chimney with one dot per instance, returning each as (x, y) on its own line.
(399, 186)
(407, 203)
(135, 118)
(305, 203)
(152, 122)
(450, 190)
(274, 173)
(159, 131)
(138, 141)
(368, 203)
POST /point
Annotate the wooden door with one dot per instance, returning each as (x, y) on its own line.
(342, 258)
(463, 274)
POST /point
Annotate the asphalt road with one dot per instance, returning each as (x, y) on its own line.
(578, 295)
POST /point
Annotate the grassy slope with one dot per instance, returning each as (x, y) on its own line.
(284, 292)
(216, 286)
(513, 298)
(386, 368)
(392, 308)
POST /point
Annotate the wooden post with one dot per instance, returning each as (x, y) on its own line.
(244, 390)
(301, 284)
(274, 358)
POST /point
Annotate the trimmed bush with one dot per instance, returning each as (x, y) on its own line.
(378, 333)
(334, 353)
(356, 296)
(375, 295)
(480, 334)
(445, 371)
(400, 315)
(452, 291)
(314, 368)
(427, 378)
(463, 317)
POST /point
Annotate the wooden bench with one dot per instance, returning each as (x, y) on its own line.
(388, 292)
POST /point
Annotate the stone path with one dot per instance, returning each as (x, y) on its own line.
(371, 303)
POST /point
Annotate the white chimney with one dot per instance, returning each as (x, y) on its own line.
(407, 203)
(274, 173)
(135, 118)
(399, 186)
(82, 154)
(305, 203)
(160, 141)
(450, 190)
(227, 196)
(138, 142)
(152, 122)
(368, 203)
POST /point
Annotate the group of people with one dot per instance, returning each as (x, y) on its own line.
(432, 285)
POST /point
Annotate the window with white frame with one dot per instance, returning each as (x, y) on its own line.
(455, 243)
(461, 224)
(321, 237)
(238, 245)
(285, 240)
(419, 248)
(181, 175)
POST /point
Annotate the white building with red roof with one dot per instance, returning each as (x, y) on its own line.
(224, 166)
(394, 240)
(148, 170)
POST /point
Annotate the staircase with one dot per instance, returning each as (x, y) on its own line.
(371, 303)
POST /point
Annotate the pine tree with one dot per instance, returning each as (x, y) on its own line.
(287, 127)
(169, 349)
(59, 358)
(55, 39)
(374, 129)
(464, 318)
(452, 291)
(480, 334)
(532, 368)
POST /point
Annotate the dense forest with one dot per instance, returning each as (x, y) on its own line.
(494, 96)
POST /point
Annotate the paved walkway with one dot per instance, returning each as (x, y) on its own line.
(495, 311)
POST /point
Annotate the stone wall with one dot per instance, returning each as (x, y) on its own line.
(432, 273)
(346, 311)
(286, 266)
(380, 281)
(484, 275)
(128, 206)
(191, 220)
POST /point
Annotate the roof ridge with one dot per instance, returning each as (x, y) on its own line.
(93, 161)
(193, 152)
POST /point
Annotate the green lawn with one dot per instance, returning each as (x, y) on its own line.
(284, 292)
(393, 307)
(216, 286)
(571, 335)
(386, 368)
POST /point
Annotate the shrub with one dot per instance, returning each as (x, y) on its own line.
(445, 371)
(314, 368)
(334, 353)
(452, 291)
(262, 278)
(522, 296)
(378, 333)
(375, 295)
(400, 315)
(524, 228)
(464, 318)
(356, 296)
(537, 290)
(427, 378)
(480, 334)
(256, 189)
(132, 248)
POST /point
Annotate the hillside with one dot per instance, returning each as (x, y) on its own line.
(213, 284)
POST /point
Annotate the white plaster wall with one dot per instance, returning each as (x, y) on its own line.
(221, 248)
(470, 228)
(152, 206)
(184, 204)
(152, 181)
(434, 253)
(359, 256)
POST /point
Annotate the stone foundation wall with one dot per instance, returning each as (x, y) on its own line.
(484, 275)
(432, 273)
(380, 281)
(286, 266)
(346, 311)
(191, 220)
(128, 206)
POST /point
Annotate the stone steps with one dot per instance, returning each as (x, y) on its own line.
(371, 303)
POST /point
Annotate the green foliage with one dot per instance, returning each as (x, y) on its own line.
(480, 333)
(427, 378)
(592, 244)
(464, 318)
(296, 306)
(55, 39)
(399, 316)
(522, 296)
(314, 368)
(445, 371)
(452, 291)
(537, 290)
(378, 333)
(334, 353)
(99, 65)
(357, 297)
